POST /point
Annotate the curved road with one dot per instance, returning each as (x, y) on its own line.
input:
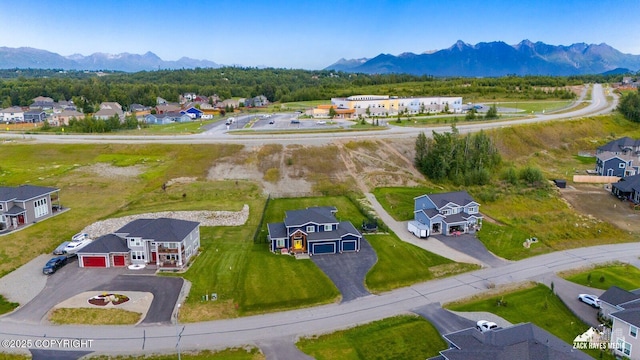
(598, 105)
(268, 328)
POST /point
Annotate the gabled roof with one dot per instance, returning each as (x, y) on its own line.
(461, 198)
(617, 296)
(619, 144)
(523, 342)
(316, 215)
(24, 192)
(162, 229)
(106, 244)
(628, 184)
(631, 316)
(277, 230)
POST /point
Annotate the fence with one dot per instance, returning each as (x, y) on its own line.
(595, 179)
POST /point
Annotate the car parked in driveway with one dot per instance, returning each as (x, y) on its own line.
(54, 264)
(484, 325)
(74, 246)
(590, 300)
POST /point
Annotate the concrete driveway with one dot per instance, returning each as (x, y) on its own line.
(71, 280)
(348, 270)
(470, 245)
(568, 292)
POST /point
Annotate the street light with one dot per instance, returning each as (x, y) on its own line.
(178, 333)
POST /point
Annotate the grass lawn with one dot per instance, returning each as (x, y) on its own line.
(398, 201)
(401, 337)
(241, 273)
(401, 264)
(89, 316)
(540, 213)
(603, 277)
(249, 353)
(535, 106)
(536, 304)
(6, 306)
(5, 356)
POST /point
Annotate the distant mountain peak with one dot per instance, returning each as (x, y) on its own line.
(42, 59)
(498, 58)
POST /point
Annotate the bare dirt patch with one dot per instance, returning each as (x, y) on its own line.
(110, 171)
(598, 202)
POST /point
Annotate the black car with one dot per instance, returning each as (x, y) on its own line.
(54, 264)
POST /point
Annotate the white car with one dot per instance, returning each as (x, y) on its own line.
(484, 325)
(321, 122)
(74, 246)
(590, 300)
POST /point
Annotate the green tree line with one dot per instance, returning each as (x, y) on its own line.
(629, 106)
(18, 87)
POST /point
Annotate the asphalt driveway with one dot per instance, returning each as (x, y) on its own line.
(348, 270)
(470, 245)
(568, 292)
(445, 321)
(71, 280)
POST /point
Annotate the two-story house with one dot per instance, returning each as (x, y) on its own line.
(13, 115)
(618, 158)
(313, 231)
(623, 308)
(109, 110)
(627, 188)
(26, 204)
(450, 213)
(166, 243)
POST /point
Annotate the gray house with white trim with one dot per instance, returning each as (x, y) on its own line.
(166, 243)
(26, 204)
(314, 231)
(450, 213)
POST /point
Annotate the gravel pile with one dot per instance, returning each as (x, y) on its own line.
(206, 218)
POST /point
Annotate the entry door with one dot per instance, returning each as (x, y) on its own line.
(297, 244)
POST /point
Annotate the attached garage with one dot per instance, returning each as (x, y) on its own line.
(94, 261)
(350, 245)
(323, 248)
(118, 260)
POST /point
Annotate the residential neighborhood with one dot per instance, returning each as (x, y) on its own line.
(26, 204)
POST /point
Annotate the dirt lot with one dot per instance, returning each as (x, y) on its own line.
(296, 170)
(598, 202)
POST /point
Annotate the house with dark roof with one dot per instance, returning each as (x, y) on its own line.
(623, 308)
(193, 112)
(166, 243)
(314, 231)
(26, 204)
(619, 158)
(522, 341)
(627, 188)
(450, 213)
(34, 116)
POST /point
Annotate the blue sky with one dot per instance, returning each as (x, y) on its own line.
(307, 34)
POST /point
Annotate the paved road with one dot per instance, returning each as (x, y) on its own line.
(325, 318)
(598, 105)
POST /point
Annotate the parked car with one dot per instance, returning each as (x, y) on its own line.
(74, 246)
(590, 300)
(295, 121)
(60, 250)
(484, 325)
(54, 264)
(271, 122)
(321, 122)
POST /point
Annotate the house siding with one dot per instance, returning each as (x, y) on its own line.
(620, 330)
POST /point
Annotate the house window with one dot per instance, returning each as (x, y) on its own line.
(311, 228)
(40, 207)
(280, 243)
(1, 207)
(622, 165)
(327, 228)
(633, 331)
(137, 255)
(627, 348)
(135, 242)
(171, 245)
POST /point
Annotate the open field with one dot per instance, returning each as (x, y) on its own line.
(401, 337)
(603, 277)
(417, 264)
(536, 304)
